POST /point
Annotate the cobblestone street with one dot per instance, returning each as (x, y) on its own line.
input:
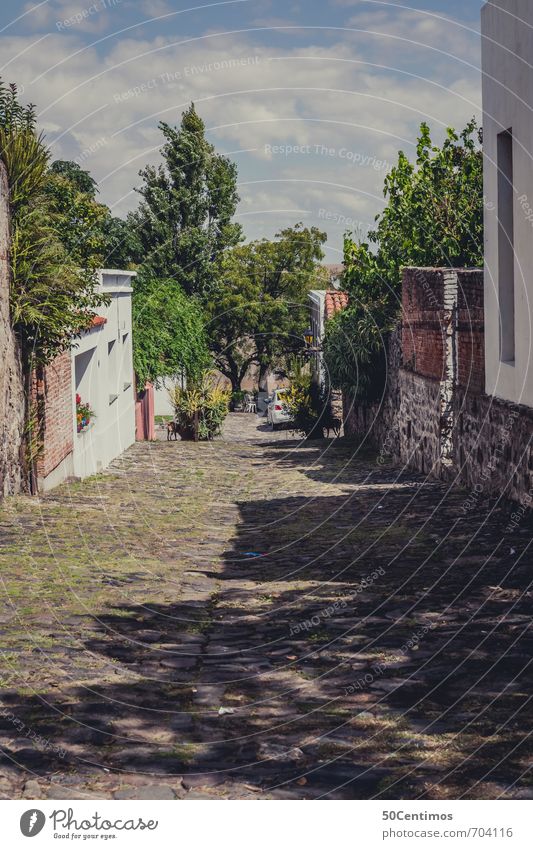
(260, 617)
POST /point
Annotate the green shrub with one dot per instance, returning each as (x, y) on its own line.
(168, 331)
(309, 407)
(237, 399)
(201, 408)
(355, 348)
(433, 217)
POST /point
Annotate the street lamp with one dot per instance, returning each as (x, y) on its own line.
(311, 347)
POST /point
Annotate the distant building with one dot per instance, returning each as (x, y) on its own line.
(97, 371)
(162, 401)
(334, 272)
(325, 303)
(507, 62)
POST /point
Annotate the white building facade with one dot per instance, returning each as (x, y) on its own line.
(507, 63)
(102, 376)
(317, 317)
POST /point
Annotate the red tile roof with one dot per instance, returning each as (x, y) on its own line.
(335, 302)
(98, 321)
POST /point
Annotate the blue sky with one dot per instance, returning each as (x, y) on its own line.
(312, 100)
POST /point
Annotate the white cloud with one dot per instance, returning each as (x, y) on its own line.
(156, 8)
(404, 34)
(66, 16)
(108, 101)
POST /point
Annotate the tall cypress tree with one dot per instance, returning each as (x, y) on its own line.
(184, 220)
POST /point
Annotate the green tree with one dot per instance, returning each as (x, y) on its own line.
(90, 234)
(120, 243)
(73, 172)
(168, 331)
(52, 299)
(184, 221)
(79, 218)
(258, 312)
(433, 217)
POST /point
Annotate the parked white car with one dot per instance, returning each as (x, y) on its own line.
(277, 412)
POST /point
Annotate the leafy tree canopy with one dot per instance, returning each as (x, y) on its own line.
(168, 331)
(258, 312)
(120, 243)
(433, 217)
(184, 221)
(79, 218)
(73, 172)
(93, 237)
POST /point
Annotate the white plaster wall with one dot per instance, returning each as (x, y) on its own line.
(162, 403)
(507, 41)
(317, 298)
(108, 383)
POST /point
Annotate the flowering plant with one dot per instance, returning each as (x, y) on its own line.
(84, 414)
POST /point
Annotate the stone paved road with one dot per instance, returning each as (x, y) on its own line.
(263, 618)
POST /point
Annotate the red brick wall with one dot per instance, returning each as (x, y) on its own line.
(423, 349)
(422, 293)
(53, 394)
(448, 427)
(423, 328)
(427, 299)
(470, 331)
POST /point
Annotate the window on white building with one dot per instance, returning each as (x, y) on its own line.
(126, 370)
(84, 375)
(506, 246)
(112, 370)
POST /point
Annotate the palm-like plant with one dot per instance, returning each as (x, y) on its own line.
(51, 299)
(201, 408)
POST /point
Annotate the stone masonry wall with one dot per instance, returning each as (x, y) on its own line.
(414, 422)
(12, 403)
(435, 416)
(494, 447)
(419, 422)
(53, 394)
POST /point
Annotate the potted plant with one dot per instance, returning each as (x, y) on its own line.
(237, 401)
(84, 414)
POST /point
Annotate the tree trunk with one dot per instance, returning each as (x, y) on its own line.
(235, 375)
(229, 368)
(235, 382)
(263, 377)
